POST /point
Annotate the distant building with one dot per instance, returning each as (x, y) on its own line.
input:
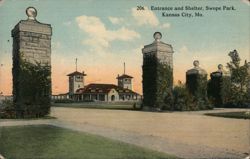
(76, 81)
(99, 92)
(125, 81)
(105, 92)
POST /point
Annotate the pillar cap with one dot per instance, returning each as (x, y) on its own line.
(31, 12)
(197, 69)
(157, 36)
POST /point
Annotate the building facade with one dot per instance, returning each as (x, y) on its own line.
(105, 93)
(76, 81)
(78, 91)
(125, 81)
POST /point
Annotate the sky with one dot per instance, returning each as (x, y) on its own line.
(103, 35)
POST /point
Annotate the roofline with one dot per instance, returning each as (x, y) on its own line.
(71, 74)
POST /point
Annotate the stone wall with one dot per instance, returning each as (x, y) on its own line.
(33, 45)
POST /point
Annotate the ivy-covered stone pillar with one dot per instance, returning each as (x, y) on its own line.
(157, 74)
(196, 83)
(31, 66)
(219, 86)
(248, 70)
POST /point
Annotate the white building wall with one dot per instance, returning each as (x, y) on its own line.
(78, 84)
(114, 93)
(74, 85)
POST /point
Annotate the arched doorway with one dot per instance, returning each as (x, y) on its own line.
(112, 97)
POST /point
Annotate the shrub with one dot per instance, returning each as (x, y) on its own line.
(180, 98)
(7, 110)
(185, 101)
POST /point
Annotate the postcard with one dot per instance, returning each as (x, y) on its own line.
(94, 79)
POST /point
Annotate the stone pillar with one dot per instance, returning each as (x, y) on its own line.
(31, 45)
(219, 86)
(248, 65)
(196, 83)
(157, 73)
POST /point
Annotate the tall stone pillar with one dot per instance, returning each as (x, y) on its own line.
(196, 83)
(31, 48)
(157, 74)
(219, 86)
(195, 78)
(248, 65)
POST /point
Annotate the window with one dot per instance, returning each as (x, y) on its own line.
(79, 78)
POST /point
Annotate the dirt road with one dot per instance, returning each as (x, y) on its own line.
(185, 134)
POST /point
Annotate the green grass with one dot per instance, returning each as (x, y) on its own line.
(47, 142)
(238, 115)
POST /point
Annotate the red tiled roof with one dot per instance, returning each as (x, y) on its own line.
(124, 76)
(102, 88)
(77, 73)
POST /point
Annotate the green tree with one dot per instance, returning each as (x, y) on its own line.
(239, 80)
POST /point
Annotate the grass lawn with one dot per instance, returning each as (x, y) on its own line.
(47, 142)
(238, 115)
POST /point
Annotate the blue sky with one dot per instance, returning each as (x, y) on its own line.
(104, 34)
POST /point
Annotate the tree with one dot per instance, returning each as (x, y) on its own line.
(239, 80)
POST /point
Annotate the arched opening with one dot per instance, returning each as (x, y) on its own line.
(112, 97)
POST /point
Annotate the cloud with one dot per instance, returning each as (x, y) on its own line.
(145, 17)
(99, 37)
(165, 26)
(68, 23)
(116, 20)
(183, 50)
(246, 2)
(1, 2)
